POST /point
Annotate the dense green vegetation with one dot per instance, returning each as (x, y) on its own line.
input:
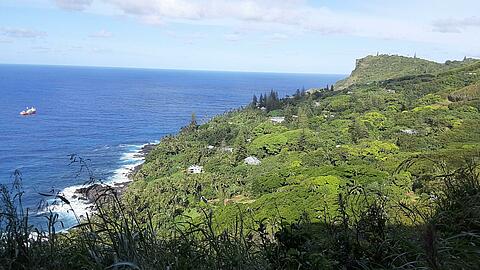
(380, 175)
(328, 140)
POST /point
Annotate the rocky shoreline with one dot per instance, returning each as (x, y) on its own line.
(142, 153)
(94, 192)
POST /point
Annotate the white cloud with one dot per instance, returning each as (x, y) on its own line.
(189, 39)
(290, 12)
(278, 36)
(41, 48)
(233, 37)
(289, 17)
(101, 34)
(73, 4)
(455, 25)
(5, 40)
(74, 48)
(20, 33)
(100, 50)
(286, 15)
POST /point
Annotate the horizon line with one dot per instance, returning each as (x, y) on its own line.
(170, 69)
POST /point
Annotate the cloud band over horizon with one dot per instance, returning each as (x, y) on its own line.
(347, 28)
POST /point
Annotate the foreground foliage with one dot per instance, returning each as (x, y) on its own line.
(366, 229)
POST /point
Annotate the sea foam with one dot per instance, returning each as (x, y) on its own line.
(78, 206)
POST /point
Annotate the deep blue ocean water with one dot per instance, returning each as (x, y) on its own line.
(106, 114)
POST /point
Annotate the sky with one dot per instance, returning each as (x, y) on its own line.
(295, 36)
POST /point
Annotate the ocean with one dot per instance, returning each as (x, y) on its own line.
(105, 115)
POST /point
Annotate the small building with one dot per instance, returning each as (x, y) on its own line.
(210, 147)
(227, 149)
(277, 120)
(409, 131)
(252, 161)
(195, 169)
(313, 91)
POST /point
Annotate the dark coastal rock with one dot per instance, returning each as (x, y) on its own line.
(95, 192)
(134, 171)
(102, 192)
(145, 150)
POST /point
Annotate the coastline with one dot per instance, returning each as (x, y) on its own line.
(122, 178)
(81, 197)
(142, 153)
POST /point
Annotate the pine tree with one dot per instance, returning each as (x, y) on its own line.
(331, 88)
(298, 94)
(254, 101)
(262, 101)
(193, 121)
(288, 115)
(302, 118)
(302, 141)
(357, 131)
(240, 146)
(268, 101)
(275, 100)
(272, 101)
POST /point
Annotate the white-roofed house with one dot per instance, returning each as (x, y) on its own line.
(227, 149)
(409, 131)
(195, 169)
(277, 120)
(252, 161)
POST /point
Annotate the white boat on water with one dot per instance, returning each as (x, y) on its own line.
(29, 111)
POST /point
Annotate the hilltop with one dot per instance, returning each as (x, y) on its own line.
(383, 67)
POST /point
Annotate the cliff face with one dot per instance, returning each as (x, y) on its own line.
(385, 67)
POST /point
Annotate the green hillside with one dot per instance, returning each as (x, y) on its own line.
(374, 126)
(383, 174)
(384, 67)
(329, 144)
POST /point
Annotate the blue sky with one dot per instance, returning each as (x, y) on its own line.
(244, 35)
